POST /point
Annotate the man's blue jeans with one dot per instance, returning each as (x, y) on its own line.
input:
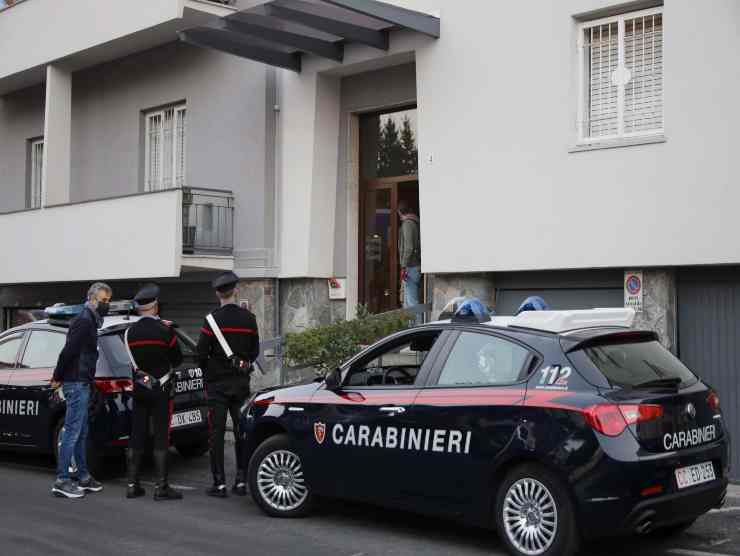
(73, 441)
(411, 286)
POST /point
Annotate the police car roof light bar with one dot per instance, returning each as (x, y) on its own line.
(563, 321)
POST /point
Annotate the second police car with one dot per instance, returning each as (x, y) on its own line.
(32, 414)
(551, 427)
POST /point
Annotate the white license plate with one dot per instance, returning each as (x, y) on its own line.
(695, 474)
(186, 418)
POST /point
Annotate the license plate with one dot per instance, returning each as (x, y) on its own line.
(695, 474)
(186, 418)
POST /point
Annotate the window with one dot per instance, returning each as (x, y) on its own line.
(621, 76)
(164, 144)
(37, 172)
(397, 363)
(9, 350)
(43, 349)
(481, 359)
(629, 364)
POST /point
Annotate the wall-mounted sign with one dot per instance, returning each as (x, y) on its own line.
(337, 288)
(633, 285)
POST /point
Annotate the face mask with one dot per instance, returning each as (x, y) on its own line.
(103, 308)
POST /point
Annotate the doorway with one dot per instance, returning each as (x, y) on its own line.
(388, 177)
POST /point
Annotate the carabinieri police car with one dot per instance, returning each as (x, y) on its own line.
(32, 414)
(550, 426)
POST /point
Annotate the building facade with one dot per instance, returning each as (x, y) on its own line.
(550, 148)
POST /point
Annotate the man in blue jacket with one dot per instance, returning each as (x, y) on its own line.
(75, 372)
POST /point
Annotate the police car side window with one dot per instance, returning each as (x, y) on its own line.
(482, 359)
(43, 349)
(396, 364)
(9, 350)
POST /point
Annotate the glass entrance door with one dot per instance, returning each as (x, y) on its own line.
(388, 176)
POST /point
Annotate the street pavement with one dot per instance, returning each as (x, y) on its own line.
(33, 522)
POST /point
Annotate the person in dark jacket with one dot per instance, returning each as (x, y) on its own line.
(74, 373)
(154, 349)
(227, 379)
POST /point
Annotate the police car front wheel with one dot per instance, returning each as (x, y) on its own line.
(534, 513)
(277, 480)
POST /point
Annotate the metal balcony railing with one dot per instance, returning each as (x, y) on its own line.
(207, 221)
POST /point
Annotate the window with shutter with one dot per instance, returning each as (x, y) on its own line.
(37, 172)
(621, 76)
(164, 159)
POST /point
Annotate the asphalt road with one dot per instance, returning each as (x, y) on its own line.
(33, 522)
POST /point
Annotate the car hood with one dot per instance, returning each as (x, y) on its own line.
(289, 394)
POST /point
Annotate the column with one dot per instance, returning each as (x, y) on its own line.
(57, 137)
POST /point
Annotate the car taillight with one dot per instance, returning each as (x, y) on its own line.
(612, 419)
(713, 401)
(264, 401)
(115, 385)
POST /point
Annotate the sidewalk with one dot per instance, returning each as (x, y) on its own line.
(733, 491)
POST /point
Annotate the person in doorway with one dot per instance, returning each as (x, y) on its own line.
(228, 346)
(409, 253)
(74, 373)
(154, 351)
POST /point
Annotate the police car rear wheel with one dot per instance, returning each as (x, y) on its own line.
(534, 514)
(277, 480)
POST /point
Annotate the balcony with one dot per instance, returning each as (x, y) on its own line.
(207, 228)
(85, 33)
(140, 236)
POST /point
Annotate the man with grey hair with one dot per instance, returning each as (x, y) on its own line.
(74, 373)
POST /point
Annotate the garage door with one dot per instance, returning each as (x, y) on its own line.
(189, 316)
(709, 337)
(508, 301)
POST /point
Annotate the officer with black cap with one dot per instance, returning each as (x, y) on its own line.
(227, 348)
(154, 351)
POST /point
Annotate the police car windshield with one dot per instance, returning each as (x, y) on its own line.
(114, 361)
(638, 365)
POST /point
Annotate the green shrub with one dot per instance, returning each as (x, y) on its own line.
(327, 347)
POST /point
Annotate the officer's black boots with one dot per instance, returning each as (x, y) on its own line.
(163, 491)
(240, 484)
(133, 464)
(217, 490)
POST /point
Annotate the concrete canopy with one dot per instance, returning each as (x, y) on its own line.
(280, 32)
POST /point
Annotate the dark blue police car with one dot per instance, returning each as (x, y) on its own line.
(32, 413)
(551, 426)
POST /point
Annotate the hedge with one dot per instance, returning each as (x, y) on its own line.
(326, 347)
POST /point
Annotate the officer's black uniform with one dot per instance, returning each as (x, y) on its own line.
(227, 386)
(155, 350)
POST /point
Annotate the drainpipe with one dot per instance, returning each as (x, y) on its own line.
(273, 92)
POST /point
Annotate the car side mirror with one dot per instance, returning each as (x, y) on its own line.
(333, 380)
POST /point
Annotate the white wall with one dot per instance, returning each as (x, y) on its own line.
(41, 31)
(105, 240)
(497, 114)
(504, 193)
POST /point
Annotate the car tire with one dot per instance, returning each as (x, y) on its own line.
(95, 459)
(277, 479)
(192, 450)
(536, 499)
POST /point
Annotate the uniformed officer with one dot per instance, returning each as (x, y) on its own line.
(153, 346)
(227, 378)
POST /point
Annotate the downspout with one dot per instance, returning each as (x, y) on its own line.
(273, 92)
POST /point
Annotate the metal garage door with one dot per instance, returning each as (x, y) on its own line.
(709, 337)
(189, 316)
(561, 289)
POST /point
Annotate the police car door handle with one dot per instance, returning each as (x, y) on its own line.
(395, 409)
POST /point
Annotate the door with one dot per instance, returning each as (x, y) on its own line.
(360, 430)
(473, 405)
(10, 345)
(388, 171)
(709, 338)
(32, 389)
(379, 265)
